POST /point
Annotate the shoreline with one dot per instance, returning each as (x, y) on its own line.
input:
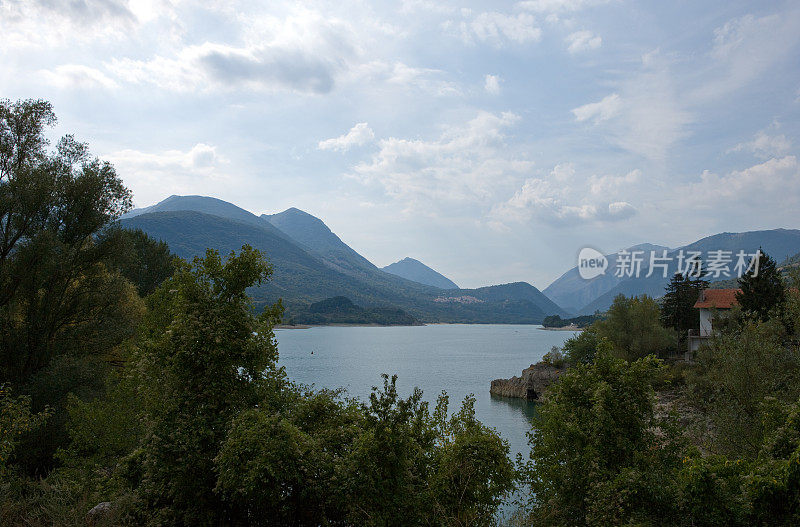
(565, 328)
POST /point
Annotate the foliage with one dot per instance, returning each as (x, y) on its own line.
(599, 454)
(554, 357)
(581, 348)
(203, 358)
(144, 261)
(555, 321)
(16, 419)
(762, 288)
(632, 327)
(677, 306)
(341, 310)
(735, 374)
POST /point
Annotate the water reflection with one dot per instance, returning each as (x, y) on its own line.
(527, 408)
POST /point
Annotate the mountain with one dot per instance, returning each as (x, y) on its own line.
(314, 236)
(417, 271)
(778, 243)
(573, 292)
(204, 204)
(318, 265)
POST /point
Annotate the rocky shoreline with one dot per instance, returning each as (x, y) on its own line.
(530, 385)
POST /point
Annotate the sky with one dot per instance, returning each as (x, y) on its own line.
(490, 140)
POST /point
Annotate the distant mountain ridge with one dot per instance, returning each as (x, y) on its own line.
(570, 289)
(311, 264)
(412, 269)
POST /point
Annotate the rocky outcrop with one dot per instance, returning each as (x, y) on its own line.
(531, 385)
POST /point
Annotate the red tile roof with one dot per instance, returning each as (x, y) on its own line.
(717, 298)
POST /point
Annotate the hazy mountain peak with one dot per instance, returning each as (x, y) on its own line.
(416, 271)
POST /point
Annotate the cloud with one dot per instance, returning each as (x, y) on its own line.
(744, 49)
(559, 6)
(359, 135)
(646, 115)
(765, 146)
(46, 23)
(498, 28)
(428, 80)
(583, 41)
(467, 164)
(77, 76)
(152, 175)
(564, 198)
(220, 66)
(599, 111)
(775, 182)
(492, 84)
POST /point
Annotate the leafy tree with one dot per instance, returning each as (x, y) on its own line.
(581, 348)
(54, 290)
(204, 357)
(736, 372)
(16, 419)
(632, 327)
(762, 288)
(145, 262)
(600, 455)
(677, 306)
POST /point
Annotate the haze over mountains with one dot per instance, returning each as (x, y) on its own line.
(417, 271)
(587, 296)
(311, 264)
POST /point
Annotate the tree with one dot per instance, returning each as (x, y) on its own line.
(632, 327)
(54, 289)
(204, 357)
(145, 262)
(62, 310)
(677, 306)
(762, 287)
(600, 455)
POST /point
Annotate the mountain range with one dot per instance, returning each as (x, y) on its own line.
(584, 297)
(311, 263)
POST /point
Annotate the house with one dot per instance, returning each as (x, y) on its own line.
(710, 301)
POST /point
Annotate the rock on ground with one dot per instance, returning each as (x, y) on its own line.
(531, 385)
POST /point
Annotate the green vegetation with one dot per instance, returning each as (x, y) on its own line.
(623, 438)
(677, 305)
(555, 321)
(340, 310)
(132, 377)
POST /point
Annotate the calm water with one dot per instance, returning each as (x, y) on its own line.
(460, 359)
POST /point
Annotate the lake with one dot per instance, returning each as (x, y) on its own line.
(461, 359)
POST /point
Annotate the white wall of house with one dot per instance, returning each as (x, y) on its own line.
(705, 322)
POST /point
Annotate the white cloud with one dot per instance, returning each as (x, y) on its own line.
(775, 182)
(77, 76)
(599, 111)
(499, 28)
(765, 146)
(745, 49)
(583, 41)
(559, 6)
(646, 115)
(491, 84)
(466, 164)
(565, 198)
(47, 23)
(152, 175)
(359, 135)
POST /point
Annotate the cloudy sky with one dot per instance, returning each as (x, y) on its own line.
(491, 140)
